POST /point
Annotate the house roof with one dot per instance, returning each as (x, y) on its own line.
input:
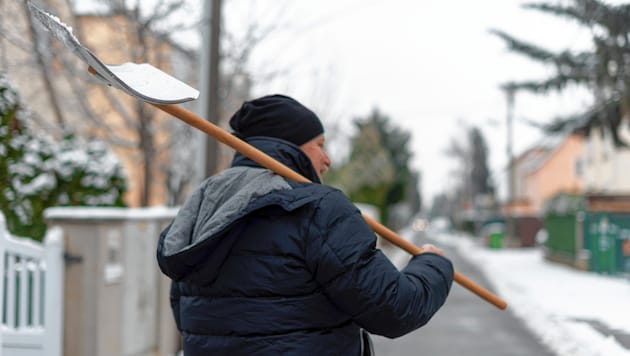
(535, 157)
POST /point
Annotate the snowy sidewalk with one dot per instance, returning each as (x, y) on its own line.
(573, 312)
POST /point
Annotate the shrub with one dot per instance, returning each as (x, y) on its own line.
(37, 172)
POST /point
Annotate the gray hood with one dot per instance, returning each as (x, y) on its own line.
(217, 203)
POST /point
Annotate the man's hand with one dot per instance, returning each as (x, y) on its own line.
(432, 248)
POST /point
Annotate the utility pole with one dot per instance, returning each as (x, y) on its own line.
(509, 219)
(209, 82)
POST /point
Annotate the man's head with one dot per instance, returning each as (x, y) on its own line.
(276, 116)
(283, 117)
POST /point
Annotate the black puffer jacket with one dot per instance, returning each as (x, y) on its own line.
(266, 266)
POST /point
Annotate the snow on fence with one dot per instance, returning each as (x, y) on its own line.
(31, 297)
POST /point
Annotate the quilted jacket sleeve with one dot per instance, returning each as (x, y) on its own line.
(361, 281)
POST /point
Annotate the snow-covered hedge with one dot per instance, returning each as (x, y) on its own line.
(37, 172)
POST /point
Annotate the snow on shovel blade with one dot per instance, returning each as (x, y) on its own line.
(142, 81)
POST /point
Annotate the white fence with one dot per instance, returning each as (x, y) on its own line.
(31, 297)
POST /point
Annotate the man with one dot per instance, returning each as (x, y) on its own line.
(267, 266)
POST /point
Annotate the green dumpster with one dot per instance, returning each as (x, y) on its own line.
(564, 214)
(608, 240)
(625, 254)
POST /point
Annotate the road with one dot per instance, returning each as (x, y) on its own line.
(466, 325)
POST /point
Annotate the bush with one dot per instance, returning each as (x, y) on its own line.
(38, 172)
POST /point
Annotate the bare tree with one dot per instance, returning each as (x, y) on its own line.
(40, 56)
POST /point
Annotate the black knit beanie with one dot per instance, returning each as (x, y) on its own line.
(276, 116)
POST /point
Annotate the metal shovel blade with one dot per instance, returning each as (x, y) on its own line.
(142, 81)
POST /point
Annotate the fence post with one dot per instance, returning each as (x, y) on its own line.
(53, 291)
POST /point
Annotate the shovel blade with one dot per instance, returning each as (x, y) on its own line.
(142, 81)
(148, 83)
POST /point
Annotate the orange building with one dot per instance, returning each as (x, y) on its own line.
(540, 173)
(561, 171)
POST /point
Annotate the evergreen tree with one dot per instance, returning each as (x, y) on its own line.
(377, 171)
(604, 70)
(480, 176)
(369, 171)
(37, 173)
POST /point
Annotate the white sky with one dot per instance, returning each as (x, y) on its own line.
(537, 292)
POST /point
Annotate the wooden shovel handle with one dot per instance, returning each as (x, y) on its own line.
(279, 168)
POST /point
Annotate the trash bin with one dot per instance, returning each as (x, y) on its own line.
(563, 219)
(496, 239)
(608, 240)
(625, 254)
(494, 233)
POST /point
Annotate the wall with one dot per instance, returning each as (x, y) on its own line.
(606, 168)
(557, 174)
(116, 299)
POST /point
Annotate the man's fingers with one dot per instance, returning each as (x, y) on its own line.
(433, 249)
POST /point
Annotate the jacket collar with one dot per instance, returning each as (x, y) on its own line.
(283, 151)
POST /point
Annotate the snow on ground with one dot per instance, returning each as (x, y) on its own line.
(559, 304)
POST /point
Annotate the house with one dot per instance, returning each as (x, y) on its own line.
(538, 174)
(559, 171)
(591, 231)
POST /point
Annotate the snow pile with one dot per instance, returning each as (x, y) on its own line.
(559, 304)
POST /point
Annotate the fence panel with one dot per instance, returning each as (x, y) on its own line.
(32, 290)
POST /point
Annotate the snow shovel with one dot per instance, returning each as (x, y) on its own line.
(149, 84)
